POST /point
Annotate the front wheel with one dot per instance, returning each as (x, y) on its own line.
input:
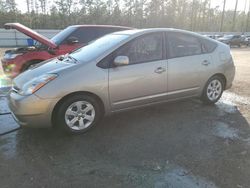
(213, 90)
(78, 114)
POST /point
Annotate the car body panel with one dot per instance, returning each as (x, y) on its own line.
(187, 75)
(31, 33)
(125, 87)
(32, 110)
(137, 84)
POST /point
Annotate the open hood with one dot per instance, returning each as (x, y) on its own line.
(31, 33)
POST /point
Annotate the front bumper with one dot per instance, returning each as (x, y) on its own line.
(31, 111)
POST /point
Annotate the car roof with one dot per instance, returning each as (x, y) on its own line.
(104, 26)
(138, 32)
(151, 30)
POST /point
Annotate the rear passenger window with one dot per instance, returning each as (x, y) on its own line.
(180, 45)
(208, 46)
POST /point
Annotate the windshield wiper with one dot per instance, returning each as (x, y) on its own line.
(72, 58)
(61, 57)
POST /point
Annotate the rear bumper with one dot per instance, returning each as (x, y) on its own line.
(31, 111)
(230, 74)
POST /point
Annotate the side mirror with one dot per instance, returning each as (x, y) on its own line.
(121, 60)
(72, 40)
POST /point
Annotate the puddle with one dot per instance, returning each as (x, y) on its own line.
(229, 96)
(179, 177)
(5, 84)
(7, 124)
(8, 146)
(3, 105)
(226, 107)
(223, 130)
(4, 91)
(229, 101)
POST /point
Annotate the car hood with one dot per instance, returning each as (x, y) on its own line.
(31, 33)
(52, 66)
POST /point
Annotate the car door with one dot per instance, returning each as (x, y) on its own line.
(144, 79)
(188, 67)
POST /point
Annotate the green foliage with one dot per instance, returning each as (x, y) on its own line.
(196, 15)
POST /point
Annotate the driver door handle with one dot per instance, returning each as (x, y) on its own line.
(160, 70)
(205, 62)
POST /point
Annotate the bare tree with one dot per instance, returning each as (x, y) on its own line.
(28, 5)
(234, 18)
(223, 15)
(43, 5)
(248, 17)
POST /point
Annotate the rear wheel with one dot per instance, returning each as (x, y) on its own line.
(79, 113)
(213, 90)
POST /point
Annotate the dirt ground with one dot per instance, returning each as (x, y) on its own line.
(242, 79)
(175, 145)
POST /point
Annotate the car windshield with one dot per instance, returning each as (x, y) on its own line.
(98, 47)
(60, 37)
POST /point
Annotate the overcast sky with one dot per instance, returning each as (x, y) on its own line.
(229, 5)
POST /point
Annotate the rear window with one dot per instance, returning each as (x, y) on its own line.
(181, 45)
(208, 45)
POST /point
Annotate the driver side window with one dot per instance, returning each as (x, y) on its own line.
(143, 49)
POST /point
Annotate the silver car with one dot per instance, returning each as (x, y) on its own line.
(121, 71)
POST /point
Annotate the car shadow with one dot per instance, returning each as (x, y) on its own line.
(209, 141)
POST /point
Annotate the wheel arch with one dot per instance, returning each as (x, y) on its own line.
(24, 66)
(55, 109)
(222, 76)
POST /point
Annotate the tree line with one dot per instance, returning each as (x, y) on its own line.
(195, 15)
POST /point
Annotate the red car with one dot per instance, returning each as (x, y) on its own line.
(20, 59)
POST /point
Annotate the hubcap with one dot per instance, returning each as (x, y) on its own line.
(80, 115)
(214, 90)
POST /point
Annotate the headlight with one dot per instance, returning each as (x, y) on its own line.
(11, 56)
(37, 83)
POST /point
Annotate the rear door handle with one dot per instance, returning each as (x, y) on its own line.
(205, 62)
(160, 70)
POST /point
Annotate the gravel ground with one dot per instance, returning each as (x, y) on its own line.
(175, 145)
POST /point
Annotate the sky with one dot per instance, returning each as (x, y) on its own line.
(229, 5)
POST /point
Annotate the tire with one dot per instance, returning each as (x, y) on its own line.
(213, 90)
(74, 120)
